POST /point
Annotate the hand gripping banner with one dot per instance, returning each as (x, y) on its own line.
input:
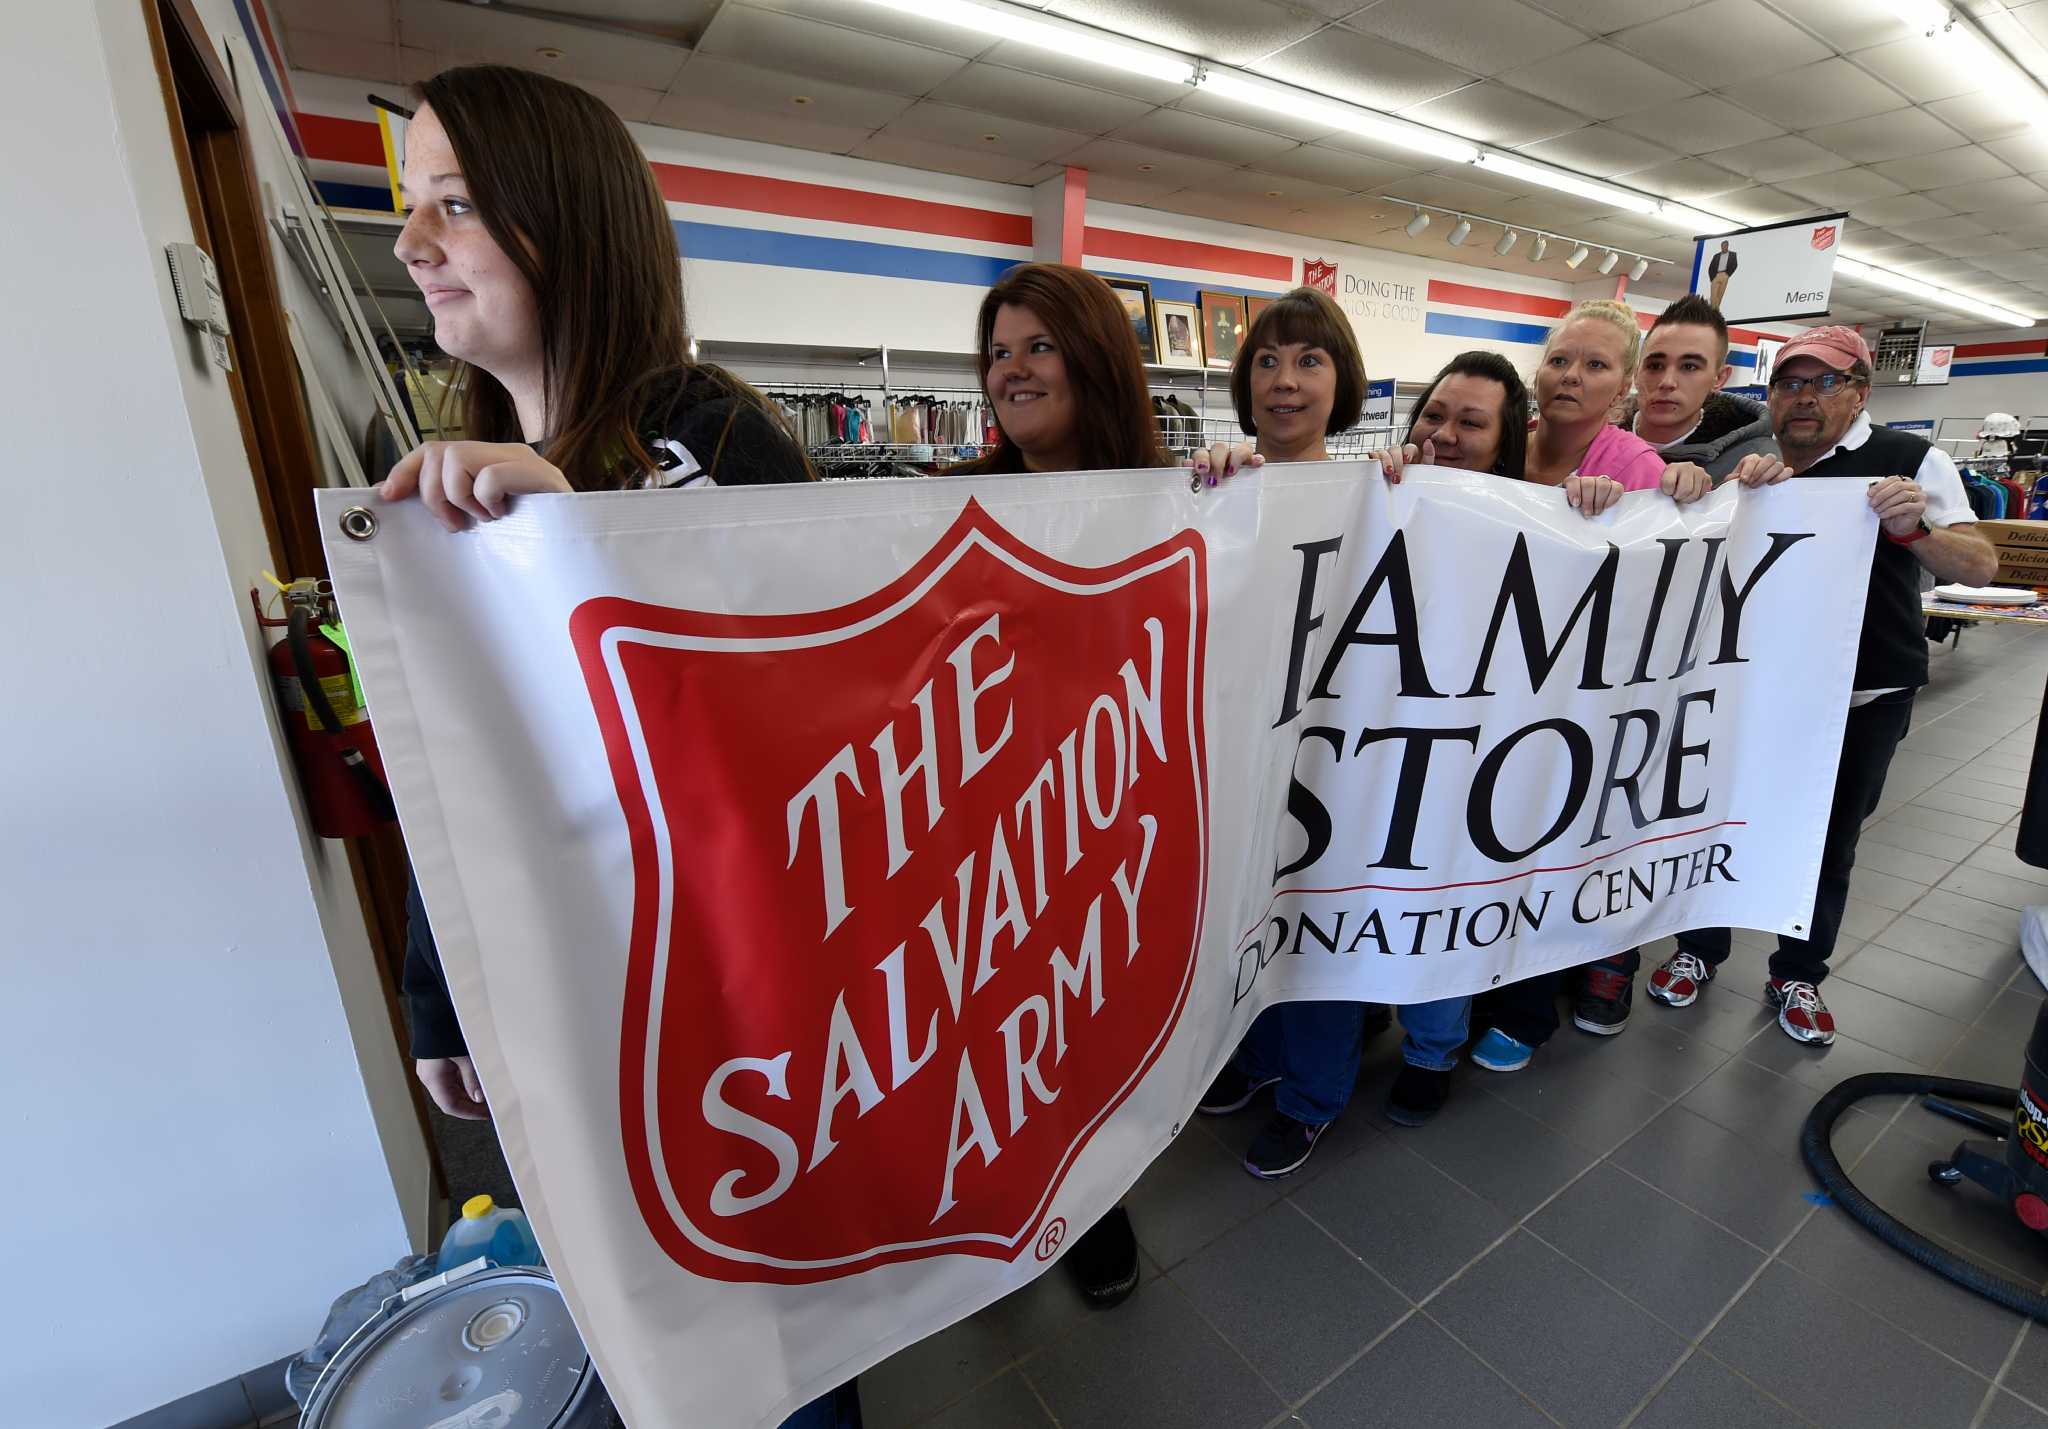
(848, 890)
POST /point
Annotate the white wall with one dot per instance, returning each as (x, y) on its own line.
(194, 1165)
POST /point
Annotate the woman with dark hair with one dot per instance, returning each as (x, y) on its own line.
(1473, 415)
(542, 243)
(1298, 379)
(1061, 367)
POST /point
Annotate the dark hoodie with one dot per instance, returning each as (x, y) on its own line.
(1730, 429)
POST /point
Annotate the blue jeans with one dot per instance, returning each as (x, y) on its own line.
(1435, 1031)
(1312, 1047)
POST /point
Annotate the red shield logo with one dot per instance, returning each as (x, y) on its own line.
(1319, 273)
(1824, 236)
(1939, 356)
(917, 888)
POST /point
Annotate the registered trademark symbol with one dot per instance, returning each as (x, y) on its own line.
(1054, 1236)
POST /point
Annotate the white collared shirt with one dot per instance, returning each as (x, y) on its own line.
(1947, 505)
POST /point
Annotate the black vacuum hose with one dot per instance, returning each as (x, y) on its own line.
(1820, 1159)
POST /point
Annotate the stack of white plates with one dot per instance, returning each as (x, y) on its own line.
(1984, 595)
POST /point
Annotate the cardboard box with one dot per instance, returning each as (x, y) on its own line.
(2029, 536)
(2020, 568)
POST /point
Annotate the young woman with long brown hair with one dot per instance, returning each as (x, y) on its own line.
(542, 243)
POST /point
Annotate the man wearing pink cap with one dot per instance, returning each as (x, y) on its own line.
(1817, 394)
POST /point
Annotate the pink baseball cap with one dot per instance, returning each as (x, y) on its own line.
(1835, 345)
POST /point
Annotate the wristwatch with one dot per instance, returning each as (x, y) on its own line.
(1920, 532)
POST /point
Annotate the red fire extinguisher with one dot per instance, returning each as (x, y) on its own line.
(325, 721)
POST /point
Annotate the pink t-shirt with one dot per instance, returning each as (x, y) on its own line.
(1626, 457)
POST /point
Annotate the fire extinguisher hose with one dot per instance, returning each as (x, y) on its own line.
(1827, 1169)
(374, 793)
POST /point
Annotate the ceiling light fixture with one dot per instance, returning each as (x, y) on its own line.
(1695, 221)
(1299, 105)
(1635, 274)
(1578, 256)
(1914, 287)
(1566, 182)
(1974, 52)
(1079, 42)
(1607, 263)
(1537, 249)
(1507, 243)
(1417, 224)
(1460, 233)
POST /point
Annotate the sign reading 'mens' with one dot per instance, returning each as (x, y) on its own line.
(885, 981)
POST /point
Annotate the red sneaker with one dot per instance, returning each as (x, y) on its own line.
(1801, 1013)
(1678, 982)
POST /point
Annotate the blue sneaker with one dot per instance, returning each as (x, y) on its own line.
(1498, 1052)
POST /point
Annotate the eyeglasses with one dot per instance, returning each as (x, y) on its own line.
(1828, 383)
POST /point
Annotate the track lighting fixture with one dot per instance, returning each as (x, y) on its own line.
(1461, 232)
(1507, 242)
(1417, 224)
(1578, 256)
(1536, 250)
(1635, 274)
(1607, 263)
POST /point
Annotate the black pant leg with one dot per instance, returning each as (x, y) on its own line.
(1525, 1010)
(1869, 739)
(1709, 945)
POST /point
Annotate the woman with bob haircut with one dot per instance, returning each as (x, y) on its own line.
(1298, 378)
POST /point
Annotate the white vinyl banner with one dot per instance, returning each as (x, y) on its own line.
(847, 890)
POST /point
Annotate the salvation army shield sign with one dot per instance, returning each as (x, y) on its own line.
(918, 885)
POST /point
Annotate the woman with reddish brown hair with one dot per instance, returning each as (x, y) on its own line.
(1061, 367)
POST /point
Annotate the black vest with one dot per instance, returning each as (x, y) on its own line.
(1893, 651)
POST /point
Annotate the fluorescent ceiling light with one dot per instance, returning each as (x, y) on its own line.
(1079, 42)
(1507, 243)
(1567, 182)
(1299, 104)
(1970, 54)
(1929, 292)
(1460, 233)
(1697, 222)
(1417, 224)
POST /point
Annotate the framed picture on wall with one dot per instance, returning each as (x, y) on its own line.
(1223, 326)
(1179, 327)
(1136, 296)
(1252, 308)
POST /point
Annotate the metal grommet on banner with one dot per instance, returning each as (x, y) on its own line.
(1195, 481)
(358, 523)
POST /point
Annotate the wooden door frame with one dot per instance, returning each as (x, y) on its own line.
(218, 175)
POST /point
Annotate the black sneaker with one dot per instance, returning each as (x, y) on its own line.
(1231, 1091)
(1418, 1094)
(1282, 1147)
(1104, 1261)
(1604, 1000)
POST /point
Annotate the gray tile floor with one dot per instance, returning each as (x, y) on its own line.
(1624, 1233)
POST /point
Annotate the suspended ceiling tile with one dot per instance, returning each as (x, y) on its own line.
(2007, 192)
(1364, 70)
(943, 158)
(1848, 25)
(1900, 208)
(636, 106)
(1603, 17)
(1985, 244)
(1697, 125)
(1481, 36)
(1354, 173)
(1924, 69)
(1901, 134)
(1554, 213)
(709, 115)
(2033, 18)
(1831, 92)
(970, 128)
(2014, 265)
(1723, 42)
(1761, 204)
(1140, 164)
(1491, 113)
(1274, 189)
(515, 39)
(1845, 187)
(2027, 152)
(1986, 115)
(1599, 150)
(1599, 81)
(816, 50)
(745, 87)
(1786, 157)
(351, 22)
(1116, 188)
(1687, 180)
(355, 58)
(877, 20)
(1953, 270)
(1936, 232)
(1235, 32)
(1204, 138)
(1015, 94)
(1448, 192)
(2026, 222)
(1967, 164)
(674, 19)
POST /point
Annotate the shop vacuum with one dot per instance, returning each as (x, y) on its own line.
(2013, 1167)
